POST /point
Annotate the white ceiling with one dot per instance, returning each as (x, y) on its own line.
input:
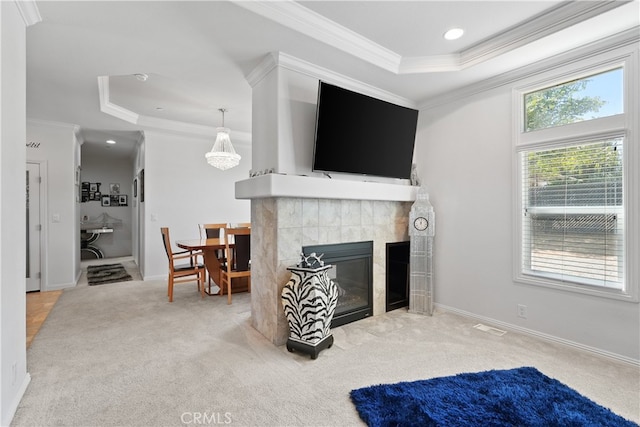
(82, 56)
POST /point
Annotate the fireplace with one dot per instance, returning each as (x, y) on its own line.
(352, 272)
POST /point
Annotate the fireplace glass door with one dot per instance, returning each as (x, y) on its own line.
(352, 265)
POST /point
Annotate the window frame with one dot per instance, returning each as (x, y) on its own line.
(623, 125)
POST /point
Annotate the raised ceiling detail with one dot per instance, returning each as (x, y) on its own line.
(304, 20)
(120, 112)
(392, 48)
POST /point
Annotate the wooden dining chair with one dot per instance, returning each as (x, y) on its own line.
(238, 254)
(212, 231)
(179, 273)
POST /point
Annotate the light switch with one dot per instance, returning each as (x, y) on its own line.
(154, 217)
(55, 217)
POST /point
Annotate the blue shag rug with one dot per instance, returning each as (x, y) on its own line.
(515, 397)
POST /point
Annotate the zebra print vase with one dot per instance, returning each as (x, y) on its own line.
(309, 301)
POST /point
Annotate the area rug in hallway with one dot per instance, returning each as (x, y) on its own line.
(514, 397)
(106, 273)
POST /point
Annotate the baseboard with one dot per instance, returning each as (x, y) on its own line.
(60, 287)
(542, 336)
(161, 277)
(11, 412)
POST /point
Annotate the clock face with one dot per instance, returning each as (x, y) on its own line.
(421, 223)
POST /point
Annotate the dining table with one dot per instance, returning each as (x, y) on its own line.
(210, 249)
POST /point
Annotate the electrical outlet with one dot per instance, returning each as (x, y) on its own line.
(522, 311)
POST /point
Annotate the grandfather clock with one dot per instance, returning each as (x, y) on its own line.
(421, 232)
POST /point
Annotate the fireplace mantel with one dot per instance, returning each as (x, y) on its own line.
(280, 185)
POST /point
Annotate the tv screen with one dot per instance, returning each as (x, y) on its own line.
(358, 134)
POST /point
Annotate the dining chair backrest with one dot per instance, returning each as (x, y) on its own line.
(188, 272)
(211, 231)
(167, 242)
(239, 256)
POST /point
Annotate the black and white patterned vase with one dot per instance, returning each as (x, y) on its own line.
(309, 301)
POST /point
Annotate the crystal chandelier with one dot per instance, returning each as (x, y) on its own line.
(222, 155)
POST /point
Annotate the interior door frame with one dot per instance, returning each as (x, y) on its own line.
(43, 221)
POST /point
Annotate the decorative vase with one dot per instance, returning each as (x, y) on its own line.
(309, 300)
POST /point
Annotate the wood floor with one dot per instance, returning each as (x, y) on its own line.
(39, 304)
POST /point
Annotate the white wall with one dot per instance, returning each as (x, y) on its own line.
(13, 360)
(464, 152)
(264, 113)
(183, 190)
(285, 95)
(107, 171)
(137, 229)
(58, 149)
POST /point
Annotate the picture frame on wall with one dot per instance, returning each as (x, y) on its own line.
(106, 200)
(114, 188)
(122, 200)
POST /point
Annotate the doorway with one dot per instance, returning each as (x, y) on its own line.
(33, 263)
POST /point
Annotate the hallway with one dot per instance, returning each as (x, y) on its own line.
(40, 304)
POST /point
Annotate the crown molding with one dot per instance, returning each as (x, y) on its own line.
(544, 24)
(148, 122)
(299, 18)
(293, 15)
(177, 126)
(630, 37)
(29, 11)
(78, 134)
(286, 61)
(268, 63)
(430, 64)
(39, 122)
(324, 74)
(107, 107)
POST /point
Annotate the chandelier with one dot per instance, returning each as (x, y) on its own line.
(222, 155)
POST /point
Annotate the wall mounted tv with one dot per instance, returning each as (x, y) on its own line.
(358, 134)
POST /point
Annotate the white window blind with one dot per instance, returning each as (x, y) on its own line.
(573, 216)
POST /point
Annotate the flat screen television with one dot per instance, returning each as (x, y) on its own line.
(358, 134)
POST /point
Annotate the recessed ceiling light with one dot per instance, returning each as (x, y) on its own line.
(454, 34)
(110, 141)
(141, 76)
(160, 108)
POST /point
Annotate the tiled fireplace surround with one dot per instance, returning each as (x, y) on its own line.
(282, 225)
(294, 206)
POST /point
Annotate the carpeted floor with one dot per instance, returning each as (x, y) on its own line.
(121, 355)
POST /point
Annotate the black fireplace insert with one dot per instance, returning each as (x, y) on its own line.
(353, 274)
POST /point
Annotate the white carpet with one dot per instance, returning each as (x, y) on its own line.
(121, 355)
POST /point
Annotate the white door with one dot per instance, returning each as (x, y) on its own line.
(34, 227)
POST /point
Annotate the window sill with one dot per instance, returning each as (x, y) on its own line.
(567, 286)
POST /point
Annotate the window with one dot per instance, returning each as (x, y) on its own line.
(573, 222)
(571, 204)
(588, 98)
